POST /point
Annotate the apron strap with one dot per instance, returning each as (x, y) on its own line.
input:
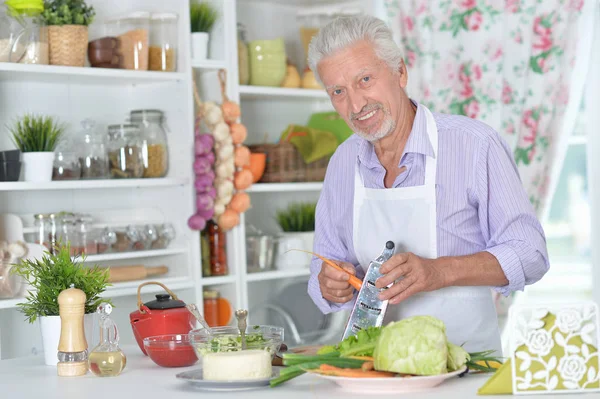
(431, 162)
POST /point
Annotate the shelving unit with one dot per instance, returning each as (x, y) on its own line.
(277, 274)
(285, 187)
(252, 92)
(93, 184)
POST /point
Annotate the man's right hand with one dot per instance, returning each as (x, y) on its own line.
(334, 283)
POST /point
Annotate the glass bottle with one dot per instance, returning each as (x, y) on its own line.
(218, 249)
(93, 157)
(42, 225)
(125, 151)
(107, 359)
(205, 252)
(154, 141)
(52, 228)
(211, 307)
(243, 64)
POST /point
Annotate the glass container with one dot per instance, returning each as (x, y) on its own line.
(163, 42)
(150, 233)
(243, 62)
(218, 249)
(23, 36)
(125, 151)
(132, 30)
(166, 234)
(107, 239)
(69, 234)
(211, 307)
(46, 230)
(107, 359)
(136, 237)
(66, 163)
(154, 141)
(93, 157)
(86, 239)
(205, 251)
(122, 243)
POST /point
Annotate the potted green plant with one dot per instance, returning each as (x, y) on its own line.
(36, 137)
(202, 19)
(67, 22)
(49, 276)
(297, 223)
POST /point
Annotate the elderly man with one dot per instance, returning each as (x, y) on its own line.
(443, 188)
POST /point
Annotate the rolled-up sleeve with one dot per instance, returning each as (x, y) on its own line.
(509, 224)
(328, 242)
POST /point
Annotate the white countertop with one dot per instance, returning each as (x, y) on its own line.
(142, 379)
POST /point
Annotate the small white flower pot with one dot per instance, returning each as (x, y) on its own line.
(50, 327)
(37, 166)
(199, 45)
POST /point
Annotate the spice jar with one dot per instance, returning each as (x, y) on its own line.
(69, 234)
(93, 157)
(154, 141)
(150, 235)
(218, 249)
(122, 242)
(66, 164)
(87, 242)
(163, 42)
(136, 237)
(125, 151)
(211, 307)
(43, 226)
(166, 234)
(107, 238)
(132, 30)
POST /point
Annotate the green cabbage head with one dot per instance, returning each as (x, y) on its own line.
(416, 345)
(457, 357)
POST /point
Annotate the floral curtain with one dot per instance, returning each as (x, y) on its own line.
(507, 63)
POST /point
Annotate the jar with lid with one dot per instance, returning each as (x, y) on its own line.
(154, 141)
(243, 63)
(132, 31)
(136, 237)
(166, 234)
(163, 42)
(205, 253)
(66, 164)
(69, 234)
(150, 233)
(107, 238)
(218, 249)
(46, 230)
(125, 151)
(87, 242)
(211, 307)
(93, 157)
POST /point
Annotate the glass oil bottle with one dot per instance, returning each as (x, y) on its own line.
(107, 359)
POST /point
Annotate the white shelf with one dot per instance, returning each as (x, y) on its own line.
(284, 187)
(10, 303)
(248, 92)
(153, 253)
(92, 184)
(82, 75)
(218, 280)
(209, 64)
(277, 274)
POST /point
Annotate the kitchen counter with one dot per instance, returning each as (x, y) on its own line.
(30, 378)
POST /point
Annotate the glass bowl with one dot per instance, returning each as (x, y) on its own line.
(171, 350)
(228, 339)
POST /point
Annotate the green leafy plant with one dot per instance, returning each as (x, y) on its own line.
(298, 217)
(202, 17)
(55, 273)
(34, 133)
(68, 12)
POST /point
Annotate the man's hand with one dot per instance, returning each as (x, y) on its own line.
(418, 275)
(334, 283)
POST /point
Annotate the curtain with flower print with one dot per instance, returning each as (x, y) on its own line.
(507, 63)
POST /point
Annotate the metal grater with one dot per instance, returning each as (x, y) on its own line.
(368, 309)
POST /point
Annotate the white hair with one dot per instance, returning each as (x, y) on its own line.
(343, 32)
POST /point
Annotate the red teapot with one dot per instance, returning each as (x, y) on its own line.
(164, 315)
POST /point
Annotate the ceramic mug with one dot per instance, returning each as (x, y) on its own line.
(293, 259)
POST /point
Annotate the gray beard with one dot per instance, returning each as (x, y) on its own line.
(386, 128)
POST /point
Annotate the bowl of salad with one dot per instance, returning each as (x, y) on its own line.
(229, 339)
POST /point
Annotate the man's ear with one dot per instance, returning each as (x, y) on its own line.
(402, 74)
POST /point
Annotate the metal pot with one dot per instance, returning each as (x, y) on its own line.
(260, 251)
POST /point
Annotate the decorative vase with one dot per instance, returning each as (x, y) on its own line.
(68, 45)
(267, 62)
(37, 166)
(50, 328)
(199, 45)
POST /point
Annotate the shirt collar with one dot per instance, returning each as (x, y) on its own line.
(418, 141)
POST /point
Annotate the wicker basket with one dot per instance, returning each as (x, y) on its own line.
(285, 164)
(68, 44)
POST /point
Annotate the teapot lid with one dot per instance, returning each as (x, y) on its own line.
(164, 301)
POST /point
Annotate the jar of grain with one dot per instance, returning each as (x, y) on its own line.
(154, 141)
(163, 42)
(125, 151)
(132, 30)
(93, 156)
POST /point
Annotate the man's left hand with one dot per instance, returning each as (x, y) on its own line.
(418, 275)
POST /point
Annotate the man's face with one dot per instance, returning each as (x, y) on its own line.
(363, 90)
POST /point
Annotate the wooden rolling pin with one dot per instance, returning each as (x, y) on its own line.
(135, 272)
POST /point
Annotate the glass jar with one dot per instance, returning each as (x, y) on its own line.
(166, 234)
(66, 163)
(93, 158)
(163, 42)
(84, 230)
(69, 236)
(132, 30)
(243, 63)
(23, 36)
(122, 242)
(137, 238)
(125, 151)
(205, 253)
(46, 230)
(211, 307)
(218, 249)
(107, 238)
(154, 141)
(150, 233)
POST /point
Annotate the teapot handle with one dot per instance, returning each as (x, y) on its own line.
(139, 291)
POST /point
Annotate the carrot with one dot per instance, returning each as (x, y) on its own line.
(353, 373)
(353, 280)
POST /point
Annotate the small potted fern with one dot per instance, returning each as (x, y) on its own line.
(297, 223)
(47, 277)
(202, 18)
(37, 138)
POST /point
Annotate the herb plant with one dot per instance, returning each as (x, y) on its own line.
(67, 12)
(298, 217)
(36, 133)
(202, 17)
(55, 273)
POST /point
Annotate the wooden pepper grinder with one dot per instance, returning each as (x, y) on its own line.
(72, 347)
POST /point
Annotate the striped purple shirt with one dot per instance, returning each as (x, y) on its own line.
(481, 203)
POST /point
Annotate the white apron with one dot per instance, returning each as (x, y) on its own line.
(407, 216)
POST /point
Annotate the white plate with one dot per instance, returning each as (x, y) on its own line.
(195, 378)
(393, 385)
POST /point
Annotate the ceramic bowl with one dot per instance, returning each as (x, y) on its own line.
(172, 350)
(228, 339)
(267, 62)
